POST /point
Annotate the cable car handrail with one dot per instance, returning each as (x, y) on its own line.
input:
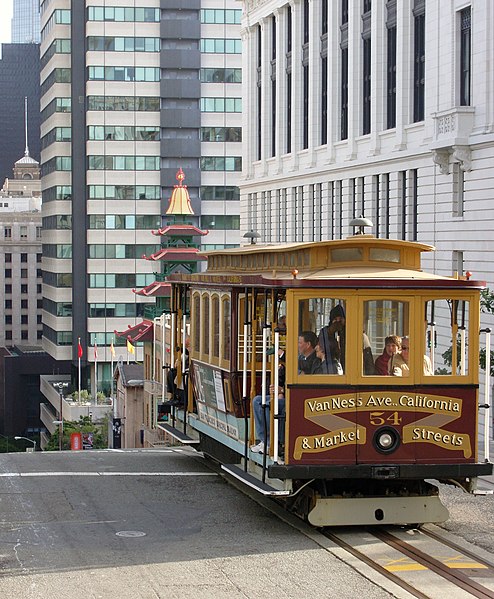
(487, 395)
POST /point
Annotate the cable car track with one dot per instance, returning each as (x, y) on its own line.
(454, 575)
(454, 572)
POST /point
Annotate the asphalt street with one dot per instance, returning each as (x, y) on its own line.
(150, 524)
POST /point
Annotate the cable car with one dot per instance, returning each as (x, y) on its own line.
(389, 400)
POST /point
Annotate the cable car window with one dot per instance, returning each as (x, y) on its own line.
(196, 315)
(321, 336)
(225, 354)
(384, 255)
(205, 325)
(215, 321)
(347, 255)
(446, 323)
(386, 322)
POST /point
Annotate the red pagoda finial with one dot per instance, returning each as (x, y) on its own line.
(180, 176)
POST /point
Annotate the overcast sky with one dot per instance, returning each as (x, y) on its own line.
(5, 20)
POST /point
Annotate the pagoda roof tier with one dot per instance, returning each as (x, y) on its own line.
(155, 289)
(177, 254)
(179, 229)
(143, 331)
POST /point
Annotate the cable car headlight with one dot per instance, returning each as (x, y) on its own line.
(386, 440)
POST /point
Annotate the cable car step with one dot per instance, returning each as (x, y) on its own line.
(253, 482)
(178, 435)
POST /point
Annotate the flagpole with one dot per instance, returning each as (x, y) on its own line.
(79, 369)
(112, 349)
(95, 373)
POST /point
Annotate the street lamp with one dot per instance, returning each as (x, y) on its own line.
(31, 440)
(60, 386)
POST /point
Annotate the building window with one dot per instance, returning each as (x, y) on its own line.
(8, 304)
(391, 66)
(259, 93)
(24, 335)
(221, 104)
(414, 204)
(24, 319)
(24, 304)
(220, 222)
(288, 79)
(7, 232)
(212, 75)
(221, 46)
(8, 257)
(458, 190)
(127, 14)
(23, 289)
(8, 319)
(465, 55)
(366, 87)
(221, 16)
(8, 273)
(419, 62)
(119, 103)
(123, 44)
(100, 73)
(39, 257)
(23, 273)
(402, 179)
(273, 86)
(221, 134)
(344, 93)
(221, 163)
(8, 288)
(457, 262)
(23, 257)
(8, 335)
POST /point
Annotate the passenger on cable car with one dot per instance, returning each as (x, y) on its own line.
(263, 441)
(392, 345)
(308, 362)
(332, 341)
(404, 369)
(177, 392)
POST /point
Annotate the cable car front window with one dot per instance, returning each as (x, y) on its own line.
(446, 324)
(321, 336)
(386, 323)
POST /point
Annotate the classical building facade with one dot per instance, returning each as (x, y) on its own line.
(20, 255)
(384, 109)
(130, 93)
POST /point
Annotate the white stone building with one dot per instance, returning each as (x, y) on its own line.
(382, 108)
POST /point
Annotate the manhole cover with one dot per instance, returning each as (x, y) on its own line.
(130, 533)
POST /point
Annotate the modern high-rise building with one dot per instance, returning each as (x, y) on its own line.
(19, 78)
(25, 22)
(130, 92)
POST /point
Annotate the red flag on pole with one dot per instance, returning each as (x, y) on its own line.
(79, 349)
(95, 352)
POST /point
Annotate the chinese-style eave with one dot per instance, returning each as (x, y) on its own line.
(155, 289)
(178, 230)
(142, 331)
(177, 254)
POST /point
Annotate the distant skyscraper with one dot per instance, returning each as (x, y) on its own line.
(19, 77)
(25, 22)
